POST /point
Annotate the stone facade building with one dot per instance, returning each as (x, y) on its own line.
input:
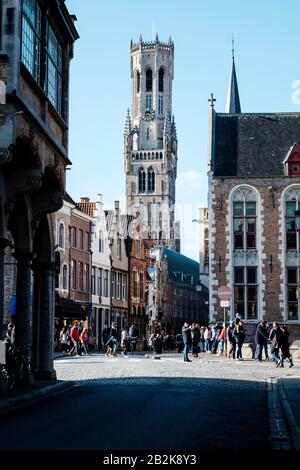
(101, 268)
(119, 230)
(254, 190)
(36, 46)
(203, 220)
(150, 142)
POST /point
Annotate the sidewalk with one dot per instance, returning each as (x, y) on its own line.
(289, 393)
(24, 396)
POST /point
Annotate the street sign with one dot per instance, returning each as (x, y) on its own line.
(224, 293)
(224, 303)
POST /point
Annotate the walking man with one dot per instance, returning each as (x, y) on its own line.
(187, 341)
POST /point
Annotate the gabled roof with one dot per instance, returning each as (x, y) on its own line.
(294, 150)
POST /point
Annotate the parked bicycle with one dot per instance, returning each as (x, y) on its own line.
(16, 368)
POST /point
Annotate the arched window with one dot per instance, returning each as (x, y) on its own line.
(138, 81)
(206, 233)
(148, 80)
(151, 180)
(245, 258)
(161, 74)
(65, 277)
(61, 235)
(292, 237)
(142, 181)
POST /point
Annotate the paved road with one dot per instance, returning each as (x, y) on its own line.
(145, 404)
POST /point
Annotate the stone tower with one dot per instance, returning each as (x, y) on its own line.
(150, 142)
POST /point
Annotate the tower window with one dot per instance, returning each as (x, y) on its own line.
(148, 80)
(161, 74)
(148, 133)
(149, 101)
(142, 181)
(160, 105)
(138, 81)
(151, 180)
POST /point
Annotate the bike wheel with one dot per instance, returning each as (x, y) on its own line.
(12, 379)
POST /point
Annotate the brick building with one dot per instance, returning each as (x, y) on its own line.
(73, 285)
(254, 190)
(137, 285)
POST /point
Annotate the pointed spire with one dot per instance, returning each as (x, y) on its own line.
(140, 39)
(131, 43)
(233, 100)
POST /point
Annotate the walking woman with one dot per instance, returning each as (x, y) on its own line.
(275, 337)
(285, 348)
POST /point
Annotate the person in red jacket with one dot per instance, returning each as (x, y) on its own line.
(74, 333)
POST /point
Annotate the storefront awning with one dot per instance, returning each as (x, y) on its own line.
(69, 309)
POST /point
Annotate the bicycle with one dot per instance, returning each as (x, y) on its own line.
(16, 368)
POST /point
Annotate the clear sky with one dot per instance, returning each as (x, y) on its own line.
(267, 64)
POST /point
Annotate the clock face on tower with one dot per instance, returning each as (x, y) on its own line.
(148, 114)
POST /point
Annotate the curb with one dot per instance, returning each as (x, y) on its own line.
(279, 436)
(289, 415)
(18, 402)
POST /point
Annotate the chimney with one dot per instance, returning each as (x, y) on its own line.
(84, 199)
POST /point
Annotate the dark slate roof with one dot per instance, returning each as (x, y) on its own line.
(233, 98)
(253, 144)
(179, 264)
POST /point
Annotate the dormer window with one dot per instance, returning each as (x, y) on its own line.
(292, 161)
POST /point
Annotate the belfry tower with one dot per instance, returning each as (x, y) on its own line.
(150, 142)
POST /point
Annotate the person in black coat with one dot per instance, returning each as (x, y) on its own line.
(285, 347)
(187, 341)
(260, 340)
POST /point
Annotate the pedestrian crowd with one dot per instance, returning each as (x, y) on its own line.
(212, 340)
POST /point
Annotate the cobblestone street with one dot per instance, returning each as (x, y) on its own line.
(207, 366)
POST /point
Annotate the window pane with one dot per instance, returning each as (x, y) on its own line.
(238, 293)
(238, 208)
(251, 275)
(292, 294)
(250, 225)
(250, 241)
(239, 275)
(252, 294)
(292, 275)
(291, 240)
(252, 310)
(239, 308)
(292, 311)
(238, 241)
(238, 225)
(290, 224)
(250, 208)
(290, 208)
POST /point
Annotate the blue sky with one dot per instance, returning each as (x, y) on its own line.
(267, 64)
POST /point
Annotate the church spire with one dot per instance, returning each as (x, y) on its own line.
(233, 100)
